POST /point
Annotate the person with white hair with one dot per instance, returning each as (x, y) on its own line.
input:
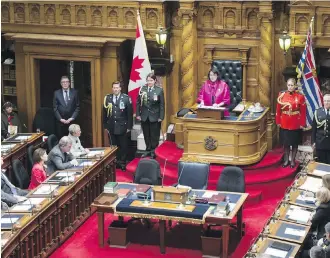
(318, 252)
(60, 158)
(77, 149)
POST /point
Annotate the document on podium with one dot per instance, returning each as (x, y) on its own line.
(294, 232)
(210, 107)
(276, 252)
(20, 207)
(45, 189)
(311, 184)
(321, 170)
(33, 201)
(9, 220)
(22, 137)
(299, 214)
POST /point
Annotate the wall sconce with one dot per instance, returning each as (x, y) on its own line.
(161, 37)
(285, 41)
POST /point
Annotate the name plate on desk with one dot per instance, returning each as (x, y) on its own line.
(170, 194)
(215, 113)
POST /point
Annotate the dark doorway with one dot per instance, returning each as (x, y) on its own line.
(79, 73)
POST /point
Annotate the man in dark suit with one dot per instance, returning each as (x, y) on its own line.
(150, 109)
(321, 131)
(60, 158)
(66, 106)
(118, 121)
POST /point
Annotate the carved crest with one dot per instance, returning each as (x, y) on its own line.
(210, 143)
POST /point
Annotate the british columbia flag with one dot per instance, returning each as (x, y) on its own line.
(307, 78)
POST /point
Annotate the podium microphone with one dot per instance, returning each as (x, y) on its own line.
(51, 192)
(11, 221)
(180, 175)
(30, 205)
(164, 172)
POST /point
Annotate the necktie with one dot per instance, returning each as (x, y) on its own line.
(116, 99)
(149, 90)
(66, 98)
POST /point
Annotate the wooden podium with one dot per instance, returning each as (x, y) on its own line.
(241, 140)
(210, 112)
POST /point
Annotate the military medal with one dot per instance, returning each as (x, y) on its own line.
(121, 105)
(155, 97)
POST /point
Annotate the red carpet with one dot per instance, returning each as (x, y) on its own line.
(266, 182)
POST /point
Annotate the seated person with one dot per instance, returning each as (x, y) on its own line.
(325, 241)
(10, 194)
(38, 173)
(322, 214)
(4, 206)
(76, 148)
(60, 158)
(318, 252)
(326, 181)
(8, 117)
(214, 91)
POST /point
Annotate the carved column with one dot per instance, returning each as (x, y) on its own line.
(265, 66)
(265, 57)
(187, 13)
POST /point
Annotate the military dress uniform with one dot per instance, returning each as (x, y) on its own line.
(117, 119)
(290, 116)
(151, 107)
(321, 134)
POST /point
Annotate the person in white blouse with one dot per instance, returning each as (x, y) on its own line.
(77, 149)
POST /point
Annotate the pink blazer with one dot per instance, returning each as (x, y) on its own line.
(220, 91)
(38, 175)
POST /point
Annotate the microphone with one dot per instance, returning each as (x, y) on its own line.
(109, 138)
(180, 175)
(11, 221)
(51, 192)
(31, 206)
(164, 172)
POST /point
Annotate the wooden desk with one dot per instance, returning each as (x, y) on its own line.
(263, 244)
(240, 140)
(283, 210)
(276, 229)
(209, 219)
(19, 151)
(312, 166)
(61, 215)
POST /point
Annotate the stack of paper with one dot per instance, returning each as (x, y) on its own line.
(312, 184)
(95, 153)
(20, 207)
(45, 189)
(295, 232)
(10, 220)
(276, 252)
(33, 201)
(299, 214)
(87, 163)
(22, 137)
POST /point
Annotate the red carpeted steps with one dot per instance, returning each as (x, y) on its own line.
(260, 178)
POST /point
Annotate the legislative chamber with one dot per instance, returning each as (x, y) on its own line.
(165, 129)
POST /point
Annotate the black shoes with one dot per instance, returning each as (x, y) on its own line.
(285, 164)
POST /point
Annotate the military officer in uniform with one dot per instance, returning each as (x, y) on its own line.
(118, 121)
(150, 109)
(321, 131)
(291, 117)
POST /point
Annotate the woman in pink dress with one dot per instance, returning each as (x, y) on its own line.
(214, 92)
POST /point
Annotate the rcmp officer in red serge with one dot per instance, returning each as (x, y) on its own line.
(150, 109)
(118, 120)
(291, 117)
(321, 131)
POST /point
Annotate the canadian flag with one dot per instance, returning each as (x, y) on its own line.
(140, 65)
